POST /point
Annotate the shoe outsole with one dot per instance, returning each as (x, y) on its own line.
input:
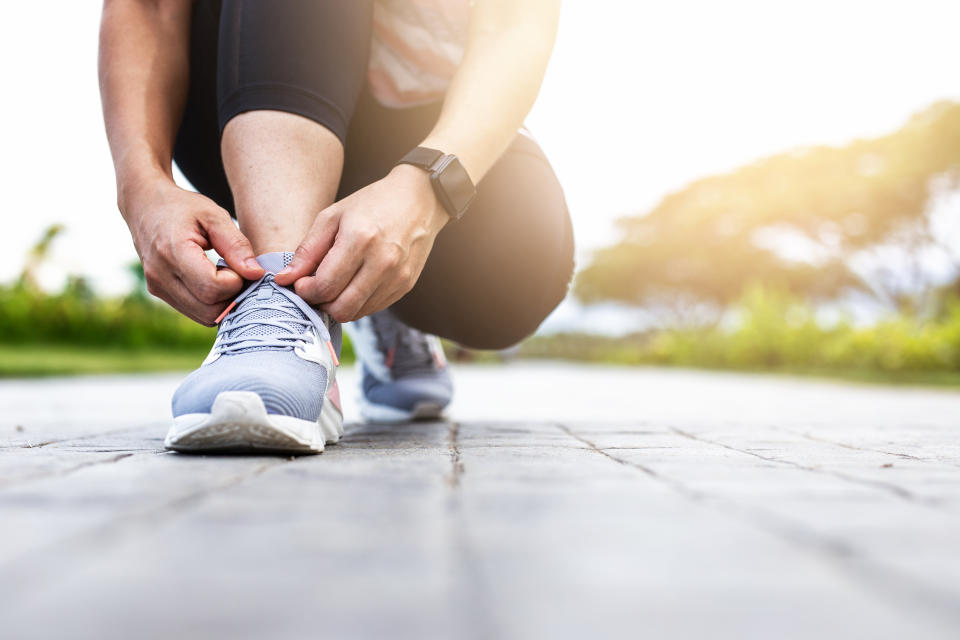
(239, 423)
(378, 413)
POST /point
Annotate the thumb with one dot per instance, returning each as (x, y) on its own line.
(312, 248)
(236, 250)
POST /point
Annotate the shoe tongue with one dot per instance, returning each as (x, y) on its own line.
(274, 262)
(263, 296)
(266, 294)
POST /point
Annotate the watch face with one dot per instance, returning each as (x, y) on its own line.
(456, 184)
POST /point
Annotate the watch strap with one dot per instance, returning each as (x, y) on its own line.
(422, 157)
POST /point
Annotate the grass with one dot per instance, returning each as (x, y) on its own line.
(870, 376)
(41, 360)
(32, 360)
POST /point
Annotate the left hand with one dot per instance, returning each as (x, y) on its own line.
(366, 251)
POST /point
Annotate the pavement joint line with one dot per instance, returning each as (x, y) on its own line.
(888, 487)
(25, 573)
(456, 463)
(881, 581)
(88, 436)
(59, 473)
(687, 491)
(462, 445)
(475, 596)
(793, 530)
(845, 445)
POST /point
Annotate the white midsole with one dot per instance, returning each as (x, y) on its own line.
(239, 419)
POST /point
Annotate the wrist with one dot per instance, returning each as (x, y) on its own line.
(138, 185)
(463, 152)
(449, 179)
(420, 180)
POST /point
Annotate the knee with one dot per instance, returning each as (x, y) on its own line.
(513, 315)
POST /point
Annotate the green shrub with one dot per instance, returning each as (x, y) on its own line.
(776, 331)
(75, 317)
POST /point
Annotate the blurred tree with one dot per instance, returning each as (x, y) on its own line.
(709, 241)
(139, 291)
(38, 254)
(78, 288)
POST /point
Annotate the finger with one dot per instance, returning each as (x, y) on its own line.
(177, 295)
(339, 266)
(232, 245)
(346, 306)
(199, 311)
(312, 249)
(379, 300)
(202, 279)
(385, 295)
(392, 289)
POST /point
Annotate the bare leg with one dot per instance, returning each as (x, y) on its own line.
(283, 170)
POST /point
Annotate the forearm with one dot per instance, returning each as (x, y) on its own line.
(497, 82)
(143, 70)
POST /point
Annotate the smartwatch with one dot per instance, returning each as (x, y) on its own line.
(450, 181)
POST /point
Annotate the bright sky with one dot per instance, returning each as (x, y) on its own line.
(640, 99)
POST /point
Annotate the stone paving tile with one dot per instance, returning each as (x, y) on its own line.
(635, 557)
(662, 503)
(879, 531)
(340, 544)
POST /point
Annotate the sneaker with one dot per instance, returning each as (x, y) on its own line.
(404, 375)
(269, 383)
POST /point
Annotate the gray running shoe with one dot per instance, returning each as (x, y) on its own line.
(269, 382)
(404, 374)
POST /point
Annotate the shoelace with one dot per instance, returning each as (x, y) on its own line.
(290, 328)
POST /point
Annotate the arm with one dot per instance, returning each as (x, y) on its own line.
(497, 82)
(143, 69)
(365, 252)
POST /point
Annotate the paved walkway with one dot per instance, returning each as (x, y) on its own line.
(560, 502)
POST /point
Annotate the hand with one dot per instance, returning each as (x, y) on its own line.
(365, 252)
(171, 229)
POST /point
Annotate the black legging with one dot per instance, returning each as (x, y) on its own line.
(493, 276)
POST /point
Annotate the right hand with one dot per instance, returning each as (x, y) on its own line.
(171, 229)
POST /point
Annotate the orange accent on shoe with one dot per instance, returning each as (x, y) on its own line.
(225, 312)
(334, 396)
(391, 352)
(333, 352)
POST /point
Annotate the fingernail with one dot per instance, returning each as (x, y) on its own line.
(251, 263)
(284, 271)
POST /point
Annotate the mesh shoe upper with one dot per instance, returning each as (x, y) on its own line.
(271, 343)
(287, 384)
